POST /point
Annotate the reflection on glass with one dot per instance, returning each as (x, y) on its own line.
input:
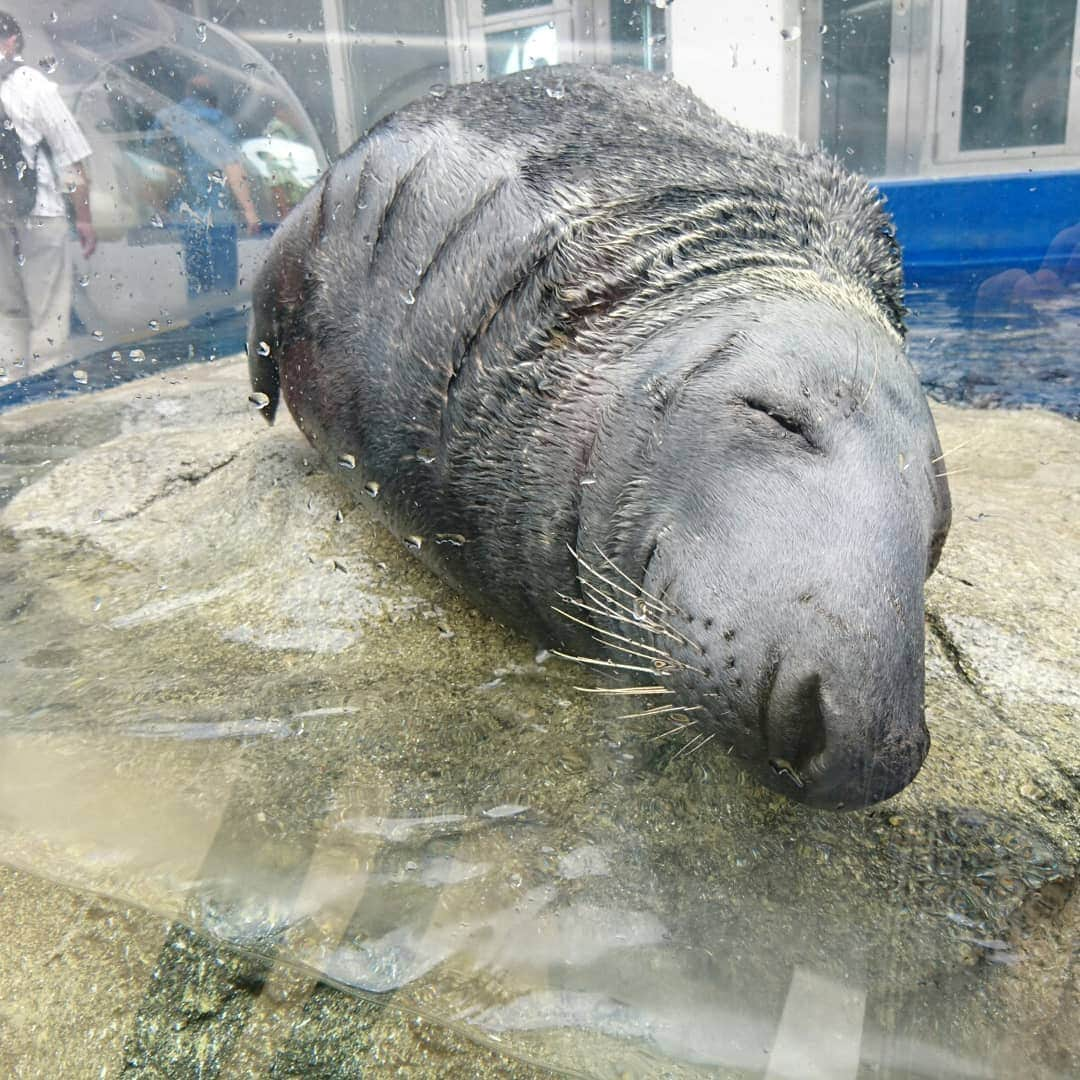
(499, 7)
(199, 148)
(855, 82)
(523, 48)
(1016, 73)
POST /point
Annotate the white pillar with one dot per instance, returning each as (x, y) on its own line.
(740, 58)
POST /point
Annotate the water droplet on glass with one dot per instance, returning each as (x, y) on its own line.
(415, 542)
(116, 355)
(425, 455)
(263, 349)
(346, 461)
(372, 488)
(892, 61)
(791, 33)
(200, 33)
(556, 90)
(339, 517)
(97, 335)
(53, 17)
(823, 28)
(80, 376)
(136, 356)
(438, 90)
(258, 400)
(250, 66)
(453, 539)
(976, 109)
(156, 221)
(47, 64)
(84, 280)
(409, 298)
(153, 324)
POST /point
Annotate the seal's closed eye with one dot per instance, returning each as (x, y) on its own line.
(786, 420)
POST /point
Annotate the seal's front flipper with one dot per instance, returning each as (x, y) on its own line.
(277, 328)
(262, 332)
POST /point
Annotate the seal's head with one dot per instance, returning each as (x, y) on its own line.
(787, 504)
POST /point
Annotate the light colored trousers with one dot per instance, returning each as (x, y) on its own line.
(35, 294)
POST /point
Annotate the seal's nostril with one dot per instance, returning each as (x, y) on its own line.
(797, 726)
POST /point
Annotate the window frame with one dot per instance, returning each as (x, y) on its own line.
(949, 83)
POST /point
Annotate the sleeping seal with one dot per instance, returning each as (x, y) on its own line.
(633, 379)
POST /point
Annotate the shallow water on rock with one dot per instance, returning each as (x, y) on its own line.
(230, 699)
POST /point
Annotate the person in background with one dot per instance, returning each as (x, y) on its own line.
(35, 261)
(211, 171)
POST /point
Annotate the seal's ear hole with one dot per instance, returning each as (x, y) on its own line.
(785, 420)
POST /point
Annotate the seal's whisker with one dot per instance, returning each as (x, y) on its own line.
(593, 610)
(666, 606)
(602, 600)
(952, 472)
(606, 663)
(573, 618)
(660, 660)
(635, 595)
(632, 641)
(701, 744)
(855, 373)
(625, 690)
(652, 653)
(658, 710)
(870, 388)
(607, 581)
(671, 731)
(631, 617)
(948, 453)
(636, 617)
(693, 745)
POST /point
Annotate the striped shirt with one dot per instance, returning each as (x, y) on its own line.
(38, 112)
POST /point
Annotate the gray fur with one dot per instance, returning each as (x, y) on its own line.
(576, 309)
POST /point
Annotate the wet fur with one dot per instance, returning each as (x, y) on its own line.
(553, 313)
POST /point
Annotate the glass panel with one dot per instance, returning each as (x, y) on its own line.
(639, 34)
(522, 48)
(1016, 73)
(398, 51)
(231, 704)
(855, 81)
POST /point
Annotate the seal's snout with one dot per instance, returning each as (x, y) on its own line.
(837, 751)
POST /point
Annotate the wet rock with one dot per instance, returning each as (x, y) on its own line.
(202, 709)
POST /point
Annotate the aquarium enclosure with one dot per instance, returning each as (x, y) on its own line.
(275, 801)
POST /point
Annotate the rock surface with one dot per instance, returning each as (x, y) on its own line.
(232, 703)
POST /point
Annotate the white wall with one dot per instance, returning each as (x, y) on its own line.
(732, 54)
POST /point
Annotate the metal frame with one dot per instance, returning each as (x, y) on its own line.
(947, 104)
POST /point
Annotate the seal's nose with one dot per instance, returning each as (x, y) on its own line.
(830, 753)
